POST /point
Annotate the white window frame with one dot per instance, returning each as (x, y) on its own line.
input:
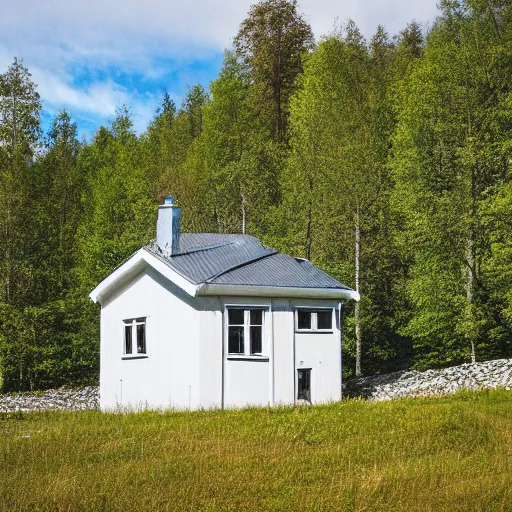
(247, 333)
(314, 319)
(133, 323)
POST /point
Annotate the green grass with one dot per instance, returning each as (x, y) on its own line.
(439, 454)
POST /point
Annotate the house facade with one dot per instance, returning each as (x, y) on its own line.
(209, 320)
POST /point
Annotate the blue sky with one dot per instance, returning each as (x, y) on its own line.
(92, 57)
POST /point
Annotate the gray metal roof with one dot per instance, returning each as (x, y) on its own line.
(241, 260)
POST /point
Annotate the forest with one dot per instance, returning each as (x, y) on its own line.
(386, 162)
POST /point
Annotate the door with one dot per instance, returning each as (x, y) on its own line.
(304, 384)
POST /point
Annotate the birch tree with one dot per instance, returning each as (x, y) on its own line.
(339, 147)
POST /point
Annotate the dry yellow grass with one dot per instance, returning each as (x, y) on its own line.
(438, 454)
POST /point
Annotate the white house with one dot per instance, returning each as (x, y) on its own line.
(208, 320)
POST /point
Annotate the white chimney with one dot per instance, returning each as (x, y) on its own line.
(168, 227)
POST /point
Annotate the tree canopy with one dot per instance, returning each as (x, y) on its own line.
(385, 162)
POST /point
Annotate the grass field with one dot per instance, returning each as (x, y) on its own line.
(449, 453)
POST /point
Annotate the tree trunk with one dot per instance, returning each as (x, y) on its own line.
(244, 214)
(357, 308)
(14, 127)
(470, 268)
(8, 254)
(469, 285)
(277, 86)
(310, 221)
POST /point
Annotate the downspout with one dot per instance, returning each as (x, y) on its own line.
(341, 307)
(273, 365)
(223, 353)
(290, 306)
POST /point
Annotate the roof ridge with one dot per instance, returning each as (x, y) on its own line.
(239, 265)
(199, 249)
(165, 260)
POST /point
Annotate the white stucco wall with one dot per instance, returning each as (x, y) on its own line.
(169, 376)
(248, 381)
(210, 352)
(187, 364)
(284, 367)
(320, 352)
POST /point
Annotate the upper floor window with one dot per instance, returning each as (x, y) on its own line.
(314, 319)
(245, 331)
(135, 336)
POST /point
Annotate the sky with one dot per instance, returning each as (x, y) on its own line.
(91, 57)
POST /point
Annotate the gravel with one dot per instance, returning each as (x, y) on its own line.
(61, 399)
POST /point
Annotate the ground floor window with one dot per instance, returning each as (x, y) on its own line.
(135, 336)
(304, 384)
(245, 331)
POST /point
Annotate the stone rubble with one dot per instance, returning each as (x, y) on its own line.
(52, 400)
(413, 383)
(409, 383)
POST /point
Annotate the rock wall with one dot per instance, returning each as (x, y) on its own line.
(52, 400)
(486, 375)
(489, 374)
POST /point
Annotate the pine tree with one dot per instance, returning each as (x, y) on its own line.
(20, 108)
(270, 43)
(239, 160)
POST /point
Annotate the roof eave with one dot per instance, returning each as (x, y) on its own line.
(144, 258)
(134, 266)
(277, 291)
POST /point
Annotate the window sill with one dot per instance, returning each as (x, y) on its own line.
(242, 357)
(314, 331)
(135, 356)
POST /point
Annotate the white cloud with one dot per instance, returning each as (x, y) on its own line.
(130, 28)
(57, 36)
(368, 14)
(98, 98)
(94, 103)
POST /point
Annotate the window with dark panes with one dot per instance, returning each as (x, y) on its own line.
(304, 319)
(141, 337)
(128, 339)
(314, 320)
(245, 331)
(236, 328)
(135, 336)
(324, 319)
(256, 328)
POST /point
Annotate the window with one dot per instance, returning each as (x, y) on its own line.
(314, 320)
(304, 319)
(245, 331)
(135, 336)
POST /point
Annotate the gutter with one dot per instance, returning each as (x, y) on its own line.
(206, 289)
